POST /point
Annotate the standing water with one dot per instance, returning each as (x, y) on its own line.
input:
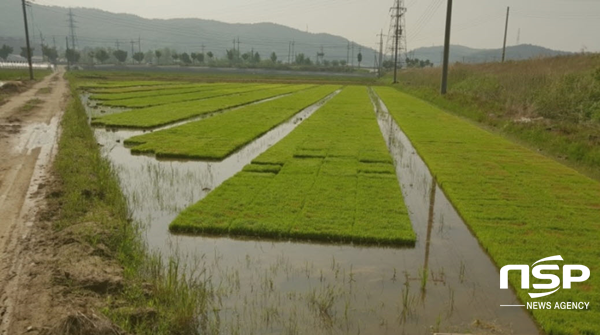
(446, 283)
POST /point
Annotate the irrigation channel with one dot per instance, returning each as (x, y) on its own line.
(446, 283)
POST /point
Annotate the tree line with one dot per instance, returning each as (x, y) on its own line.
(233, 58)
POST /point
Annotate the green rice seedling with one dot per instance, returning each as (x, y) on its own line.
(321, 190)
(521, 205)
(149, 91)
(183, 95)
(122, 84)
(134, 89)
(217, 137)
(157, 116)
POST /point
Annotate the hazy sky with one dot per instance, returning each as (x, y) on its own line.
(559, 24)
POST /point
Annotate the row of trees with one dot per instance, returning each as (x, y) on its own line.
(169, 56)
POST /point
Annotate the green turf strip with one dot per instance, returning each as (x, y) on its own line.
(157, 116)
(330, 195)
(154, 91)
(217, 137)
(522, 206)
(208, 91)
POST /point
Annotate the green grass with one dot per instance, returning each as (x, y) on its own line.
(147, 91)
(22, 74)
(315, 184)
(550, 104)
(165, 99)
(217, 137)
(90, 194)
(521, 206)
(152, 117)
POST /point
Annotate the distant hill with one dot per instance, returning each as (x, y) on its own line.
(460, 53)
(97, 28)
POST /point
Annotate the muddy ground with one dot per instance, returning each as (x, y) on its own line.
(50, 282)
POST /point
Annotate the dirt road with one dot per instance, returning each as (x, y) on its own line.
(28, 141)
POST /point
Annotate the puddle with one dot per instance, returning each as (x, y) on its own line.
(37, 135)
(267, 287)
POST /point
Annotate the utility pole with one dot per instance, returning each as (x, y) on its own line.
(293, 50)
(234, 46)
(72, 28)
(348, 55)
(42, 44)
(519, 37)
(380, 54)
(374, 60)
(27, 39)
(238, 47)
(68, 61)
(202, 47)
(352, 59)
(132, 43)
(139, 43)
(54, 42)
(444, 87)
(289, 52)
(505, 33)
(397, 32)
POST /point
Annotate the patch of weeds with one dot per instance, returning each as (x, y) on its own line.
(30, 105)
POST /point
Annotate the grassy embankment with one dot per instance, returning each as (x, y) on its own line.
(331, 179)
(217, 137)
(551, 104)
(521, 205)
(152, 117)
(156, 298)
(207, 92)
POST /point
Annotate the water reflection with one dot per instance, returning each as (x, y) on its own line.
(446, 283)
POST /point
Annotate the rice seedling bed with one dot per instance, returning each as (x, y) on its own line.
(217, 137)
(152, 117)
(124, 84)
(131, 89)
(164, 99)
(521, 205)
(331, 179)
(153, 91)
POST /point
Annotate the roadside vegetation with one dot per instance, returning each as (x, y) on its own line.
(552, 104)
(521, 205)
(18, 81)
(152, 117)
(331, 179)
(155, 296)
(219, 136)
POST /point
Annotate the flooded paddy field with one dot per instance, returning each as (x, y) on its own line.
(444, 283)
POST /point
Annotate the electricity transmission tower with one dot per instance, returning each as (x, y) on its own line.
(72, 28)
(397, 32)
